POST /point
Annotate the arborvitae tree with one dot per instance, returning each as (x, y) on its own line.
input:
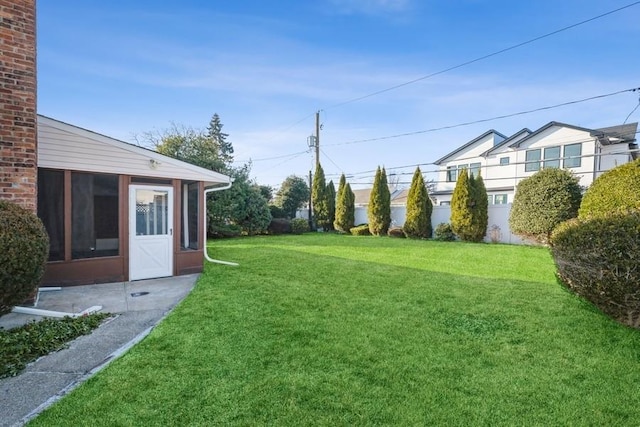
(319, 198)
(344, 207)
(379, 209)
(341, 185)
(461, 214)
(350, 215)
(331, 204)
(479, 208)
(419, 208)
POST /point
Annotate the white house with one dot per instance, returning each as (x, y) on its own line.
(504, 161)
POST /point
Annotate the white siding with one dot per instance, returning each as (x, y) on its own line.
(63, 146)
(560, 136)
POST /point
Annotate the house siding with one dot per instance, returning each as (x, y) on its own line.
(18, 131)
(66, 147)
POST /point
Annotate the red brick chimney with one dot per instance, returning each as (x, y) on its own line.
(18, 130)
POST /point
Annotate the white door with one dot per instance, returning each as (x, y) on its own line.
(150, 232)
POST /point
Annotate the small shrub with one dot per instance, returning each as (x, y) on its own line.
(279, 226)
(24, 249)
(360, 230)
(444, 233)
(614, 190)
(598, 259)
(220, 231)
(396, 232)
(299, 226)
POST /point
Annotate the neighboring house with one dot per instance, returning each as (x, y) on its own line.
(115, 211)
(503, 162)
(398, 196)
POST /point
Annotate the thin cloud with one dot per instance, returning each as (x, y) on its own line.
(370, 7)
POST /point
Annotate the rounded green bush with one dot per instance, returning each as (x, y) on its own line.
(299, 225)
(598, 259)
(615, 190)
(360, 230)
(444, 233)
(542, 201)
(24, 249)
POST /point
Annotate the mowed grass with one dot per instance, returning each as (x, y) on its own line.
(339, 331)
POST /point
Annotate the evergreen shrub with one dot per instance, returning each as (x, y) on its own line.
(615, 190)
(542, 201)
(24, 249)
(444, 233)
(299, 225)
(279, 226)
(598, 258)
(220, 231)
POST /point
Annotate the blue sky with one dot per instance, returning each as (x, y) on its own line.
(123, 68)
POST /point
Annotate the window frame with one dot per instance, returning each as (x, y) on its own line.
(504, 199)
(452, 173)
(569, 158)
(532, 165)
(553, 160)
(502, 162)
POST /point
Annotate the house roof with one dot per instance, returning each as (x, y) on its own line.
(549, 125)
(606, 136)
(65, 146)
(513, 138)
(616, 134)
(468, 144)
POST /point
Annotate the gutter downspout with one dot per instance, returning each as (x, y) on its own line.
(206, 254)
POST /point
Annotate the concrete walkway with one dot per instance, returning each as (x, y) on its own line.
(51, 377)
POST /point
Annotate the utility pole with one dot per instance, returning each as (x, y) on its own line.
(317, 138)
(310, 218)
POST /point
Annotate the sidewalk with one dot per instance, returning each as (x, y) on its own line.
(51, 377)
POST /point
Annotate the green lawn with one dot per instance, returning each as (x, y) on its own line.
(340, 330)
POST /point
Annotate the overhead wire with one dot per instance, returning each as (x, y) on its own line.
(504, 116)
(481, 58)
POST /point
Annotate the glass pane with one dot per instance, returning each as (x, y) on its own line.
(452, 174)
(532, 161)
(474, 169)
(189, 232)
(95, 202)
(572, 154)
(504, 160)
(553, 154)
(51, 210)
(152, 212)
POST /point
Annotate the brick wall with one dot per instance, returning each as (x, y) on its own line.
(18, 130)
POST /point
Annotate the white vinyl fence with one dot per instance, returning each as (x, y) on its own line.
(497, 230)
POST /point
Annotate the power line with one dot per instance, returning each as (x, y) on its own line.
(481, 58)
(504, 116)
(358, 175)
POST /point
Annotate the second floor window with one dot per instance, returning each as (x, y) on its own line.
(552, 157)
(532, 161)
(572, 156)
(452, 174)
(474, 169)
(504, 161)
